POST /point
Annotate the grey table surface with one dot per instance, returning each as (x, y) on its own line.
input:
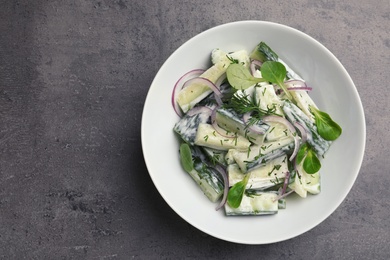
(74, 76)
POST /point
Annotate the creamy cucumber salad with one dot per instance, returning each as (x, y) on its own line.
(250, 134)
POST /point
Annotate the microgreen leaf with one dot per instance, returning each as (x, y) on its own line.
(326, 127)
(275, 72)
(186, 157)
(240, 77)
(302, 153)
(237, 192)
(311, 164)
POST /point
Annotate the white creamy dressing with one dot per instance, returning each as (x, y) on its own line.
(188, 126)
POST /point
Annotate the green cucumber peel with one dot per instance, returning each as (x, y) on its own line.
(239, 77)
(275, 72)
(326, 127)
(263, 52)
(186, 157)
(236, 193)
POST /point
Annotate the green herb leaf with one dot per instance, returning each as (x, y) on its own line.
(275, 72)
(186, 157)
(237, 192)
(326, 127)
(302, 153)
(311, 164)
(240, 77)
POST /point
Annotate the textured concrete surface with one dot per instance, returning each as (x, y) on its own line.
(73, 79)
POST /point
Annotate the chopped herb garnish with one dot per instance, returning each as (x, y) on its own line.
(276, 167)
(249, 151)
(232, 61)
(215, 158)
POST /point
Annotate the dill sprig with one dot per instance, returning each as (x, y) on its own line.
(243, 103)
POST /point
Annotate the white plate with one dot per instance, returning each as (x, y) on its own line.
(334, 92)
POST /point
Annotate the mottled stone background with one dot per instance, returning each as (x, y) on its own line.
(73, 79)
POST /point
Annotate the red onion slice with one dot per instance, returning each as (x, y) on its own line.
(219, 81)
(295, 84)
(299, 88)
(253, 128)
(179, 85)
(226, 186)
(284, 195)
(302, 130)
(285, 184)
(285, 122)
(208, 83)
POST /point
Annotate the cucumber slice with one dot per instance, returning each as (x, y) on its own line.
(264, 177)
(304, 183)
(229, 157)
(240, 56)
(297, 186)
(304, 102)
(207, 185)
(215, 156)
(193, 94)
(310, 182)
(263, 53)
(187, 126)
(207, 136)
(207, 178)
(259, 203)
(257, 155)
(267, 98)
(229, 120)
(293, 113)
